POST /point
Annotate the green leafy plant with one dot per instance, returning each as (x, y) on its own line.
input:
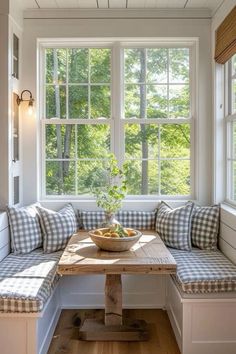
(110, 197)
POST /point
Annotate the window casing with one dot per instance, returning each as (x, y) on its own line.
(230, 121)
(155, 137)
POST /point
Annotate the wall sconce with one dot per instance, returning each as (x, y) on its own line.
(30, 100)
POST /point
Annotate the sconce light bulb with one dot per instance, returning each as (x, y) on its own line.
(30, 110)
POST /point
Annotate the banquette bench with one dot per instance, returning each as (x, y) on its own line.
(200, 299)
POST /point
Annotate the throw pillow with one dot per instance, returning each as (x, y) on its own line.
(174, 225)
(140, 220)
(25, 230)
(91, 219)
(205, 227)
(57, 227)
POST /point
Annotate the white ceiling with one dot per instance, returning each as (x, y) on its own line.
(212, 5)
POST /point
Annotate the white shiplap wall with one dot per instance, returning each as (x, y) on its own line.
(227, 240)
(4, 236)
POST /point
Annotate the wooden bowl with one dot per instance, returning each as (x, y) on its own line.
(114, 244)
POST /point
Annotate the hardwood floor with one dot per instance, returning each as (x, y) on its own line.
(162, 340)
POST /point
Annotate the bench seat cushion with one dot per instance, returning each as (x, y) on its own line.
(201, 271)
(26, 281)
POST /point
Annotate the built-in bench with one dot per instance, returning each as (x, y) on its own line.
(201, 302)
(200, 299)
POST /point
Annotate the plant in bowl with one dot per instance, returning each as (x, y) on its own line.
(110, 196)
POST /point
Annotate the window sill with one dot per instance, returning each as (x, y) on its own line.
(128, 204)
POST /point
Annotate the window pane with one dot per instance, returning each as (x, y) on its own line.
(100, 102)
(78, 102)
(91, 174)
(60, 177)
(233, 96)
(175, 140)
(234, 64)
(142, 177)
(100, 60)
(132, 101)
(175, 177)
(55, 66)
(78, 62)
(157, 65)
(93, 141)
(179, 65)
(133, 65)
(179, 101)
(60, 141)
(141, 141)
(232, 128)
(233, 180)
(55, 101)
(156, 101)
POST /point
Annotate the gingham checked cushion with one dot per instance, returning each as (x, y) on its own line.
(136, 219)
(202, 271)
(57, 227)
(25, 229)
(141, 220)
(26, 281)
(174, 225)
(205, 227)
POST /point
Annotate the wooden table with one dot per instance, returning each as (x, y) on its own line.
(148, 256)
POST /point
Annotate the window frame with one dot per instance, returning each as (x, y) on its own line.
(229, 120)
(116, 121)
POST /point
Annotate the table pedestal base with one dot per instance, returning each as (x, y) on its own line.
(131, 330)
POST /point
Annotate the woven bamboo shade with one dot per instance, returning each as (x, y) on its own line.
(226, 38)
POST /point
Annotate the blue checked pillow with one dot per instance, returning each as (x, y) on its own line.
(140, 220)
(57, 227)
(174, 225)
(91, 219)
(143, 220)
(25, 230)
(205, 227)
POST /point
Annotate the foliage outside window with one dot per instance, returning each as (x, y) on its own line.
(230, 118)
(83, 120)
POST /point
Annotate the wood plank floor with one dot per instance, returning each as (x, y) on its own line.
(162, 340)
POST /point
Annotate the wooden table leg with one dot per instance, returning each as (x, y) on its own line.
(113, 328)
(113, 300)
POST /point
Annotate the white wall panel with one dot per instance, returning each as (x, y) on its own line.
(4, 237)
(210, 4)
(103, 4)
(117, 4)
(3, 220)
(156, 4)
(67, 4)
(29, 4)
(47, 4)
(143, 291)
(89, 4)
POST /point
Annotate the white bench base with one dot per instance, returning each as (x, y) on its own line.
(30, 333)
(202, 324)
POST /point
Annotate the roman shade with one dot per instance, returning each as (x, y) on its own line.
(226, 38)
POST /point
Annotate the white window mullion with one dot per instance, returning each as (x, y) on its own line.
(159, 159)
(89, 86)
(117, 135)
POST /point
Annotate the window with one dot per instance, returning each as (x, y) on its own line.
(134, 100)
(230, 118)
